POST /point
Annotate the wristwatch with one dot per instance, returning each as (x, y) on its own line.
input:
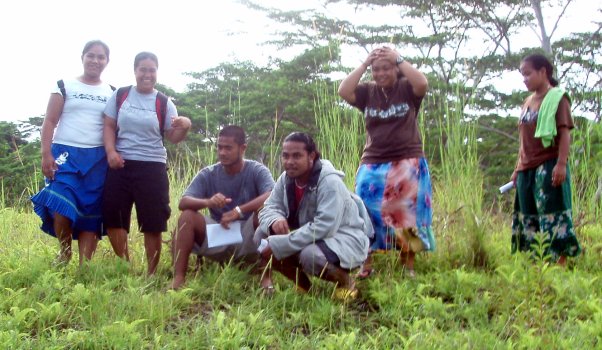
(399, 60)
(239, 211)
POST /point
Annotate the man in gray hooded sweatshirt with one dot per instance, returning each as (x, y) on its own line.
(311, 224)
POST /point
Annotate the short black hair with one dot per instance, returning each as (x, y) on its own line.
(310, 145)
(144, 55)
(236, 132)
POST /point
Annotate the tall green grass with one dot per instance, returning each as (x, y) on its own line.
(341, 134)
(458, 184)
(586, 171)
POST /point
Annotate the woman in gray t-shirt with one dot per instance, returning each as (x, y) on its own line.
(133, 137)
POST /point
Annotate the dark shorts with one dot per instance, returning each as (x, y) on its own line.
(144, 184)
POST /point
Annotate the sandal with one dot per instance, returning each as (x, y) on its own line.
(410, 273)
(345, 294)
(268, 290)
(364, 273)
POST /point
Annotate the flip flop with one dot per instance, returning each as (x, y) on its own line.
(345, 294)
(268, 291)
(365, 273)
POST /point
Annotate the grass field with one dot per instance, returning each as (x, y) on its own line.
(513, 302)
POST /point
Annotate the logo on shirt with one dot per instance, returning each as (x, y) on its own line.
(528, 117)
(395, 111)
(93, 98)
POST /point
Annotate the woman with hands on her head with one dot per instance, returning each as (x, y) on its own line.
(137, 160)
(73, 157)
(393, 179)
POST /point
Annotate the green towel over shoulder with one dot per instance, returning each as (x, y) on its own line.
(546, 117)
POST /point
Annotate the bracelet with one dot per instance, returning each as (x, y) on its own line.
(239, 211)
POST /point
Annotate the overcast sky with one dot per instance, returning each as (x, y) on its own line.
(41, 40)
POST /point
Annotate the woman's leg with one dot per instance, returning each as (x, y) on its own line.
(152, 246)
(87, 242)
(407, 260)
(63, 231)
(119, 241)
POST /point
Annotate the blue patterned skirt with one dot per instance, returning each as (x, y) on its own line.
(398, 196)
(76, 191)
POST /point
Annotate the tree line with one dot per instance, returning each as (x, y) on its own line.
(465, 47)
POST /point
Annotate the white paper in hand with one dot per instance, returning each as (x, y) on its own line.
(218, 236)
(507, 187)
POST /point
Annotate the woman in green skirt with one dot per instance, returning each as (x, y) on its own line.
(541, 175)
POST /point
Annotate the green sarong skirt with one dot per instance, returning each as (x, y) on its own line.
(540, 207)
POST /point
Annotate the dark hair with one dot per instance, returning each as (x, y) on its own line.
(236, 132)
(539, 61)
(144, 55)
(93, 43)
(310, 145)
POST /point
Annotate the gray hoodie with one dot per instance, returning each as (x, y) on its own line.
(327, 212)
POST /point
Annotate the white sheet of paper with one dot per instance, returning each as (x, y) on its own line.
(218, 236)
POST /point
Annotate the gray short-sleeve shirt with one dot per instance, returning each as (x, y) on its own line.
(139, 136)
(254, 180)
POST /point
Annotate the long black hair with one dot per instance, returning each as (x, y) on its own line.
(539, 61)
(93, 43)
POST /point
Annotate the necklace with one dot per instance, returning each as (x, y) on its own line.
(299, 186)
(384, 93)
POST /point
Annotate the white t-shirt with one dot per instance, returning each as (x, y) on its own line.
(139, 135)
(81, 123)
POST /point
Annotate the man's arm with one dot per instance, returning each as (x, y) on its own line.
(255, 203)
(274, 208)
(192, 203)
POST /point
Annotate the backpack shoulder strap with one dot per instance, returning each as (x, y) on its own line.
(122, 94)
(161, 108)
(61, 85)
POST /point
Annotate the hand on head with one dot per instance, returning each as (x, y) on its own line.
(383, 52)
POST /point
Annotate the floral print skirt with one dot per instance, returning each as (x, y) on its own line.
(540, 207)
(398, 196)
